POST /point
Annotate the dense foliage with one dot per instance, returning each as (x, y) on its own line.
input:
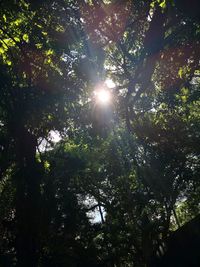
(123, 174)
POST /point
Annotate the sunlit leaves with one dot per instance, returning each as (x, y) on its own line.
(184, 71)
(25, 37)
(47, 166)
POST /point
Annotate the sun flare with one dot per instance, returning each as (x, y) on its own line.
(103, 92)
(103, 96)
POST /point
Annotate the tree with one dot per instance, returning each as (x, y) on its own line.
(36, 98)
(137, 158)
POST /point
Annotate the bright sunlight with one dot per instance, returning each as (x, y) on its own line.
(102, 93)
(102, 96)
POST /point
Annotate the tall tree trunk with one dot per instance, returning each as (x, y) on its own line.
(27, 200)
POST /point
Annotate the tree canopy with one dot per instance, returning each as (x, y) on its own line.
(99, 130)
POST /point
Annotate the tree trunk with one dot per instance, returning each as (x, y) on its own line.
(27, 200)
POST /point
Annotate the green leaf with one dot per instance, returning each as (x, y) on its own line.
(25, 38)
(4, 18)
(47, 165)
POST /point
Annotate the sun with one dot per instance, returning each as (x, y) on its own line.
(102, 96)
(103, 92)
